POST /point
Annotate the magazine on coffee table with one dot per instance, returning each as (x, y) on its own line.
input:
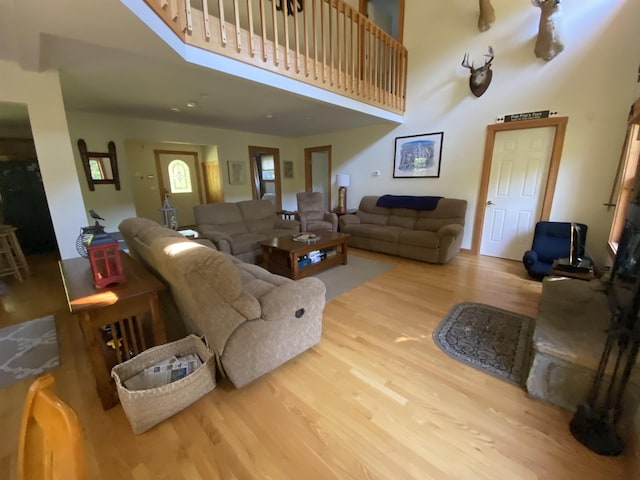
(306, 237)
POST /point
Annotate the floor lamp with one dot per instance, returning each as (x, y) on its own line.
(342, 181)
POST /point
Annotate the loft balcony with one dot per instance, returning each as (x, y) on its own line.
(322, 43)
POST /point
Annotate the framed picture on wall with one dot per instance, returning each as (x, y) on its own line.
(237, 173)
(287, 168)
(418, 156)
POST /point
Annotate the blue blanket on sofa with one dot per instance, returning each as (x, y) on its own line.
(408, 201)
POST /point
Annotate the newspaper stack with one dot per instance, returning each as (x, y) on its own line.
(164, 372)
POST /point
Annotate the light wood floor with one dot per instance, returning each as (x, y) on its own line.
(376, 399)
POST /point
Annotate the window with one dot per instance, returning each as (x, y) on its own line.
(268, 168)
(179, 177)
(627, 183)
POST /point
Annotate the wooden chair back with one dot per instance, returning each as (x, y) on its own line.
(50, 444)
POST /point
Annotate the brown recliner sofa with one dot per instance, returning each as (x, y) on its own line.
(238, 228)
(252, 320)
(432, 234)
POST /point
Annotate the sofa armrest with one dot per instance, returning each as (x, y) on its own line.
(333, 218)
(347, 219)
(450, 241)
(294, 299)
(530, 257)
(221, 240)
(287, 224)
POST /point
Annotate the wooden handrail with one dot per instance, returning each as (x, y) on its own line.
(328, 44)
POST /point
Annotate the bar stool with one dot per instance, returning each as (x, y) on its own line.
(11, 255)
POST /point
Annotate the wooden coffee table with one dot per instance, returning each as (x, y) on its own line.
(290, 258)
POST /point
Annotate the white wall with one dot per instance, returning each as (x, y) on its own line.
(114, 206)
(593, 82)
(43, 97)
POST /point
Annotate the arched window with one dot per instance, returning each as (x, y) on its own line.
(179, 177)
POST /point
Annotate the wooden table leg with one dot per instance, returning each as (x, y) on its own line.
(96, 356)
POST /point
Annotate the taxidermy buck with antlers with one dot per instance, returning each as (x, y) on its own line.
(549, 42)
(487, 15)
(481, 76)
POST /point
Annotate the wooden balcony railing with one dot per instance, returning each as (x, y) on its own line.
(326, 43)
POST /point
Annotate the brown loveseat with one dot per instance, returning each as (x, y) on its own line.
(252, 320)
(428, 232)
(238, 228)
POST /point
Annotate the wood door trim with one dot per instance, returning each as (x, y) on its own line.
(560, 123)
(307, 168)
(196, 159)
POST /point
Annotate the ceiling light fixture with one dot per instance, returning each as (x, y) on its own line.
(192, 104)
(174, 109)
(269, 115)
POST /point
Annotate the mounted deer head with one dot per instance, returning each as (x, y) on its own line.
(487, 15)
(481, 76)
(549, 42)
(289, 6)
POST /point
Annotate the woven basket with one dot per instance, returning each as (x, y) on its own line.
(146, 408)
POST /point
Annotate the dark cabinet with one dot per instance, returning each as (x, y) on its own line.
(24, 205)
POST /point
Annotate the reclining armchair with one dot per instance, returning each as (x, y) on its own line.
(313, 214)
(551, 241)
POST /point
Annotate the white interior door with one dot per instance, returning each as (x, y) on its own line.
(519, 170)
(178, 176)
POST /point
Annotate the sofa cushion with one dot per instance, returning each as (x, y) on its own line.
(402, 217)
(224, 217)
(156, 231)
(245, 242)
(419, 238)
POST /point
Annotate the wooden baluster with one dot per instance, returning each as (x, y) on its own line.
(223, 28)
(189, 19)
(315, 39)
(274, 19)
(331, 59)
(236, 18)
(296, 41)
(263, 26)
(305, 33)
(323, 40)
(205, 15)
(285, 26)
(252, 46)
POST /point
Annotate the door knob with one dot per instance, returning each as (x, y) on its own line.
(489, 202)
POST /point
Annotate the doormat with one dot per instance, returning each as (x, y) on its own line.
(488, 338)
(28, 349)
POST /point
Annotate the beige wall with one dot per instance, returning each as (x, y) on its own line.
(135, 141)
(586, 82)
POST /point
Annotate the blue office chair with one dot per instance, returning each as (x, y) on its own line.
(552, 240)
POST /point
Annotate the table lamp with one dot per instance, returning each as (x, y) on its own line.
(342, 181)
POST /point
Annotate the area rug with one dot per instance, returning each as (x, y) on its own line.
(28, 349)
(343, 278)
(490, 339)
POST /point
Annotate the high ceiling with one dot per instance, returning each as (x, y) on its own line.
(111, 63)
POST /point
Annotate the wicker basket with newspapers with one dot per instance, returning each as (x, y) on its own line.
(166, 388)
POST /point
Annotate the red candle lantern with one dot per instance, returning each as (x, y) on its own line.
(106, 264)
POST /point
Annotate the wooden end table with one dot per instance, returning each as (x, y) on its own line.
(117, 322)
(285, 256)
